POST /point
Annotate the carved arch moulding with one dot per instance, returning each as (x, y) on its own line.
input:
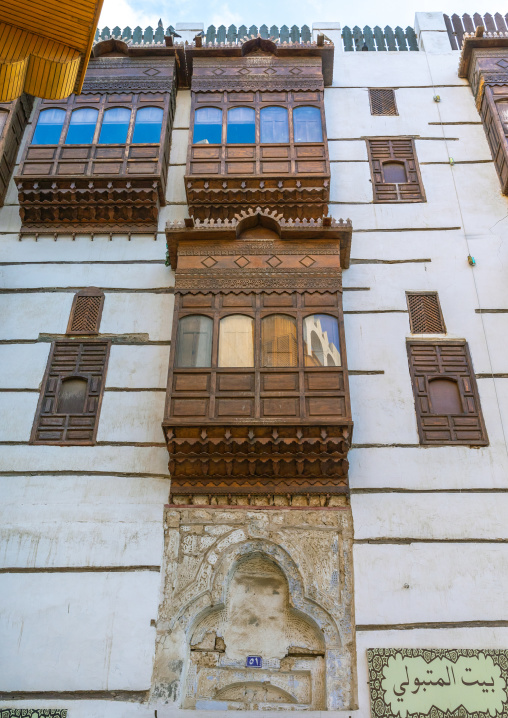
(242, 583)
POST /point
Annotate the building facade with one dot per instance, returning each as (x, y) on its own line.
(255, 376)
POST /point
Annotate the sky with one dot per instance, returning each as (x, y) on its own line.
(280, 12)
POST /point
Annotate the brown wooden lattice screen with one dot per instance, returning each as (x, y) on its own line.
(425, 315)
(382, 102)
(86, 312)
(447, 403)
(81, 362)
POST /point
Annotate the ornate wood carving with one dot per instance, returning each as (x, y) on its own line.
(389, 151)
(292, 178)
(71, 360)
(13, 119)
(462, 424)
(109, 186)
(259, 429)
(484, 61)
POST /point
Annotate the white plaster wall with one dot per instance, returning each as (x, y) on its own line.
(77, 631)
(132, 416)
(138, 367)
(81, 521)
(440, 515)
(448, 582)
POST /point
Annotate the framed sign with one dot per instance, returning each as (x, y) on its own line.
(438, 683)
(254, 662)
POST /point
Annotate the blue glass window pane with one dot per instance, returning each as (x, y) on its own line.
(274, 125)
(115, 125)
(208, 126)
(241, 126)
(148, 125)
(307, 124)
(82, 127)
(49, 127)
(321, 345)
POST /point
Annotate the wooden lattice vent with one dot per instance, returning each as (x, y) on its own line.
(425, 315)
(86, 312)
(382, 102)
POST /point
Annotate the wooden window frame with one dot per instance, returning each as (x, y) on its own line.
(396, 193)
(229, 162)
(89, 292)
(257, 394)
(47, 419)
(412, 319)
(466, 429)
(372, 102)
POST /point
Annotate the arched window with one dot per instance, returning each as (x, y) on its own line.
(194, 342)
(3, 119)
(394, 172)
(307, 124)
(241, 126)
(445, 397)
(236, 341)
(72, 396)
(148, 125)
(49, 127)
(278, 341)
(82, 126)
(321, 346)
(274, 124)
(115, 125)
(207, 126)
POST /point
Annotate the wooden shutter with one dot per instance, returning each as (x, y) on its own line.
(492, 115)
(68, 360)
(382, 102)
(395, 150)
(86, 312)
(446, 360)
(425, 316)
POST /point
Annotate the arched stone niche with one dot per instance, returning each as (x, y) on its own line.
(277, 585)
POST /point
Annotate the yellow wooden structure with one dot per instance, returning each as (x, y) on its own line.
(45, 46)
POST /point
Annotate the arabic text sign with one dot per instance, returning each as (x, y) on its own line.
(412, 681)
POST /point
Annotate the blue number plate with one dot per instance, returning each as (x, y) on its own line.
(254, 661)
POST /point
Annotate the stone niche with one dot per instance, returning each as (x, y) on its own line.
(276, 584)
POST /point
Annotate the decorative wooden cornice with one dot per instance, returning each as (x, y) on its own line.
(479, 40)
(72, 204)
(305, 231)
(245, 460)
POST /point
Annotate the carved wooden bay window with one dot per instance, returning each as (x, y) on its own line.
(484, 61)
(258, 397)
(13, 120)
(100, 159)
(258, 133)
